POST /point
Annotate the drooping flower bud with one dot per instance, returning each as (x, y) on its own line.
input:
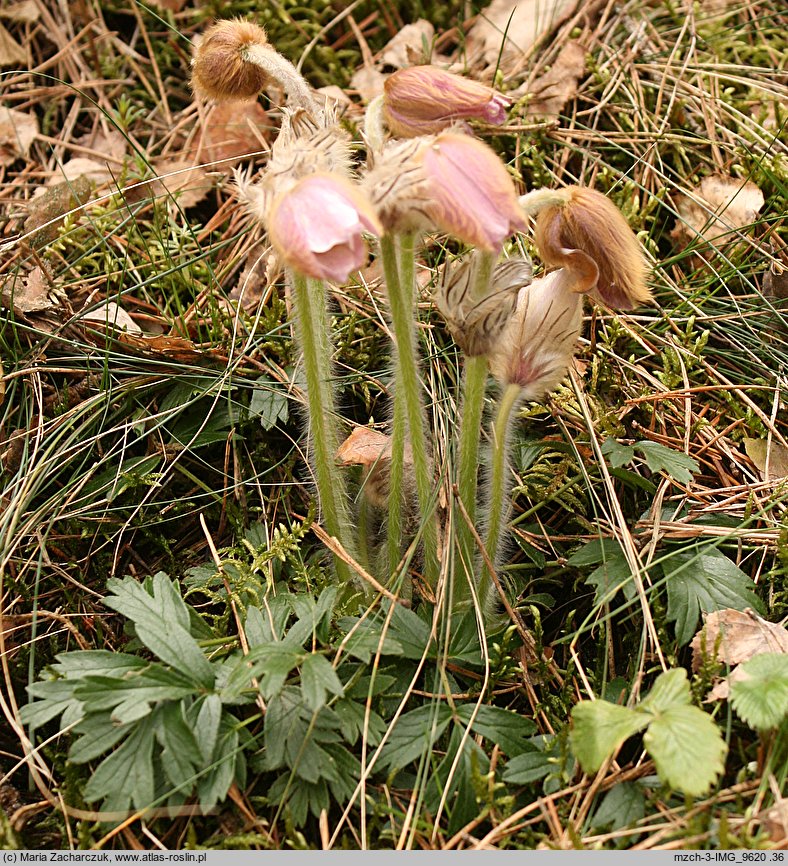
(424, 99)
(472, 195)
(537, 346)
(581, 230)
(234, 60)
(476, 323)
(452, 181)
(317, 227)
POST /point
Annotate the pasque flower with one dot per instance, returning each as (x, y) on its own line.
(450, 181)
(424, 99)
(317, 225)
(536, 348)
(581, 230)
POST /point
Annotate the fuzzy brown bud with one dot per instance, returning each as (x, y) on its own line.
(220, 66)
(584, 232)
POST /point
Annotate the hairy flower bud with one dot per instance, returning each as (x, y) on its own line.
(424, 99)
(472, 195)
(450, 181)
(317, 227)
(537, 346)
(581, 230)
(477, 323)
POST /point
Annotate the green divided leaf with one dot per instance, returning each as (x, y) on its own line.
(317, 679)
(760, 697)
(670, 689)
(508, 729)
(622, 806)
(268, 403)
(414, 735)
(161, 619)
(704, 580)
(658, 458)
(527, 768)
(599, 729)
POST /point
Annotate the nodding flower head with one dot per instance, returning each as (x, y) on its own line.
(450, 181)
(476, 323)
(317, 226)
(220, 66)
(581, 230)
(537, 346)
(424, 99)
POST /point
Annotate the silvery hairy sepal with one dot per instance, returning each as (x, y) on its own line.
(476, 323)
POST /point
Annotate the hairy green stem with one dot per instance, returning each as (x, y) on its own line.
(498, 491)
(310, 300)
(401, 284)
(474, 383)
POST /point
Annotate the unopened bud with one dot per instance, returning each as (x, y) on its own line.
(424, 99)
(476, 323)
(472, 195)
(586, 234)
(317, 227)
(537, 346)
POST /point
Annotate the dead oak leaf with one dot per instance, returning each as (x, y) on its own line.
(771, 459)
(24, 12)
(28, 293)
(18, 131)
(716, 209)
(517, 25)
(11, 52)
(412, 46)
(551, 91)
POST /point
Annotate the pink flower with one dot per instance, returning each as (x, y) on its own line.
(425, 99)
(470, 193)
(317, 226)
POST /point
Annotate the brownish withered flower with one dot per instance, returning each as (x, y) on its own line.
(425, 99)
(581, 230)
(234, 60)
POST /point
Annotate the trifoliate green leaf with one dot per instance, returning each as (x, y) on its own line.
(704, 580)
(760, 697)
(687, 748)
(268, 403)
(618, 455)
(599, 728)
(527, 768)
(670, 689)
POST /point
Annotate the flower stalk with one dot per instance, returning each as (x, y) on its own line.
(408, 414)
(310, 301)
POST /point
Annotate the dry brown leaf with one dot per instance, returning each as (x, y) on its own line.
(191, 183)
(171, 5)
(716, 209)
(523, 21)
(81, 166)
(775, 822)
(364, 447)
(11, 52)
(741, 635)
(771, 459)
(28, 293)
(111, 315)
(258, 274)
(49, 204)
(18, 131)
(412, 46)
(551, 91)
(368, 83)
(111, 144)
(775, 282)
(232, 132)
(175, 348)
(734, 637)
(24, 12)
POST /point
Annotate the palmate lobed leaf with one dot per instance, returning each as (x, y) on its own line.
(704, 580)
